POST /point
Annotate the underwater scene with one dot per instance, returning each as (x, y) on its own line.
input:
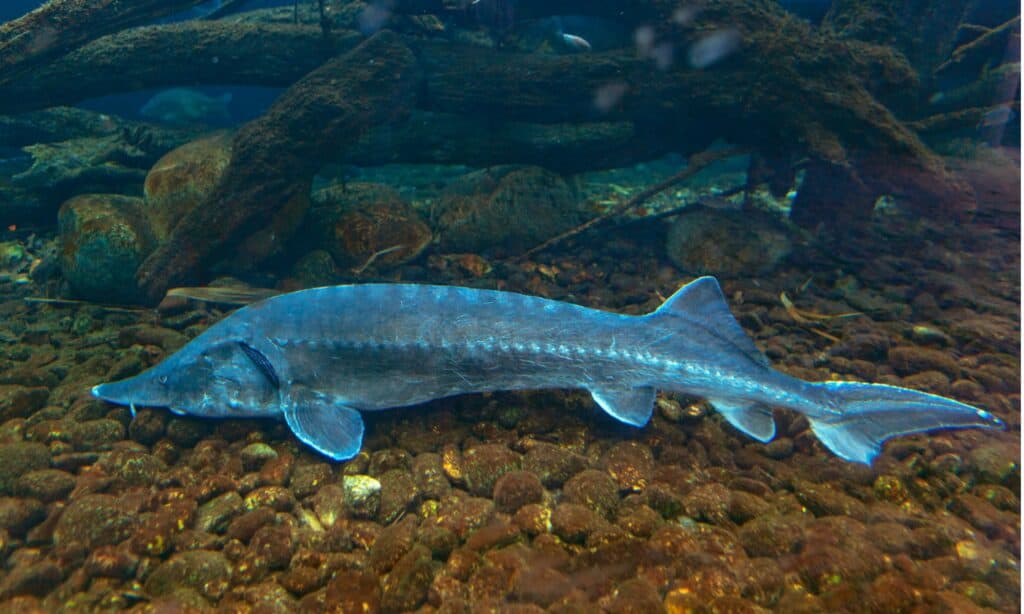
(515, 306)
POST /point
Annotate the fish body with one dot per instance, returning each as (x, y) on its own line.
(182, 106)
(319, 357)
(576, 43)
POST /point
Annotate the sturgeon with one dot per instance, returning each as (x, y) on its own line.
(320, 357)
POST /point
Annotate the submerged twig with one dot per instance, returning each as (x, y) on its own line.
(695, 164)
(802, 315)
(67, 302)
(681, 208)
(959, 53)
(373, 257)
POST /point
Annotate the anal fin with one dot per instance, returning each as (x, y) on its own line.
(753, 419)
(630, 405)
(330, 428)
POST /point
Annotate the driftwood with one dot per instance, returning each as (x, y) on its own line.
(789, 90)
(761, 97)
(274, 158)
(62, 25)
(188, 53)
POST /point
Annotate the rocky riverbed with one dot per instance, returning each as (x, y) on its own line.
(533, 502)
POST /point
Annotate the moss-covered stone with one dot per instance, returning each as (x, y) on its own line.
(731, 243)
(104, 238)
(95, 520)
(482, 466)
(205, 571)
(405, 587)
(179, 180)
(360, 221)
(594, 489)
(17, 459)
(510, 207)
(516, 489)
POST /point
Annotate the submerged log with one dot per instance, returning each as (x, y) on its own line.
(62, 25)
(570, 147)
(191, 53)
(785, 88)
(275, 156)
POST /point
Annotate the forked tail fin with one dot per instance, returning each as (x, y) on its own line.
(866, 415)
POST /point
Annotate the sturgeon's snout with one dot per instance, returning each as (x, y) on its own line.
(141, 390)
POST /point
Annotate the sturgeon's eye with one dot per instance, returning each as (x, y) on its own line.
(162, 379)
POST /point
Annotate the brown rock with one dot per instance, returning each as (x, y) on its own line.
(397, 494)
(594, 489)
(21, 401)
(19, 515)
(640, 521)
(495, 535)
(826, 500)
(392, 544)
(484, 464)
(541, 585)
(111, 562)
(35, 578)
(630, 464)
(95, 520)
(516, 489)
(983, 516)
(358, 221)
(406, 585)
(744, 506)
(245, 526)
(552, 464)
(772, 535)
(182, 178)
(308, 478)
(509, 207)
(353, 591)
(428, 471)
(532, 519)
(708, 503)
(439, 540)
(274, 545)
(103, 239)
(634, 596)
(214, 515)
(148, 426)
(277, 498)
(204, 571)
(573, 522)
(16, 459)
(907, 360)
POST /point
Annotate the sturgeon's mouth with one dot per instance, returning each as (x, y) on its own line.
(131, 392)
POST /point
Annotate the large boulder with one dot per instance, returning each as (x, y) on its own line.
(103, 240)
(357, 222)
(509, 208)
(182, 178)
(705, 241)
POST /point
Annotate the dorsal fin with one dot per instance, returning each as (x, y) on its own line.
(702, 301)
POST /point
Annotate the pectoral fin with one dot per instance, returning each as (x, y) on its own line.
(752, 419)
(325, 425)
(630, 405)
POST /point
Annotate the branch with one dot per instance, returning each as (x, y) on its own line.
(695, 164)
